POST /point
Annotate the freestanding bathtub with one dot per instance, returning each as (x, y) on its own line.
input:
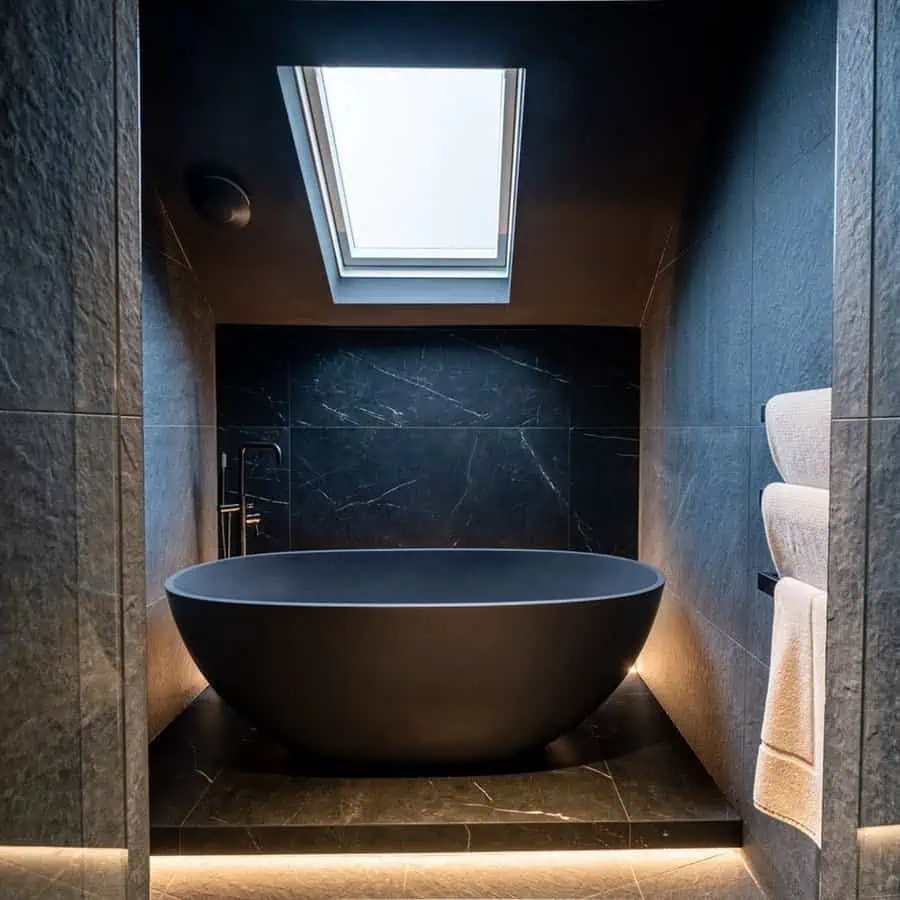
(434, 657)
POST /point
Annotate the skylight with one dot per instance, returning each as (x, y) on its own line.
(415, 171)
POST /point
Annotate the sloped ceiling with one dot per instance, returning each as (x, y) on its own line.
(614, 104)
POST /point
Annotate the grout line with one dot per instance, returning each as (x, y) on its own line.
(709, 621)
(66, 412)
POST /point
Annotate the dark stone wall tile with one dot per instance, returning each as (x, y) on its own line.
(99, 637)
(722, 195)
(854, 162)
(604, 478)
(792, 279)
(747, 314)
(709, 349)
(179, 352)
(418, 487)
(180, 478)
(707, 470)
(58, 272)
(880, 772)
(797, 85)
(698, 675)
(845, 640)
(40, 775)
(652, 534)
(417, 377)
(656, 339)
(268, 489)
(180, 467)
(173, 680)
(606, 377)
(886, 202)
(128, 208)
(69, 343)
(134, 654)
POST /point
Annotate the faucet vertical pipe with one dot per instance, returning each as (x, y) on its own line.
(252, 445)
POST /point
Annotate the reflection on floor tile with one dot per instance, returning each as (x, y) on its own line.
(609, 875)
(721, 877)
(61, 873)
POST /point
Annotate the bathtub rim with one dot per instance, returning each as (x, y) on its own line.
(658, 584)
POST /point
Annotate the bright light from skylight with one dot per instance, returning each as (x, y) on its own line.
(411, 175)
(419, 156)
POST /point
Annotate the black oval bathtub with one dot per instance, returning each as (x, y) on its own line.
(416, 656)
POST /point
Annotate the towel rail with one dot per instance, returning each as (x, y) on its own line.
(766, 582)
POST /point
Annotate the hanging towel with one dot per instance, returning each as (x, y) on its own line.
(798, 426)
(796, 522)
(788, 781)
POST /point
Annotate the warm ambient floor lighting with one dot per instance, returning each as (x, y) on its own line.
(36, 871)
(534, 874)
(515, 858)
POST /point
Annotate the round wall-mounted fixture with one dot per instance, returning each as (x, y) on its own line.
(219, 198)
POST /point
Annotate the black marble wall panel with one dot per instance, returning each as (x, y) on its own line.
(742, 311)
(434, 437)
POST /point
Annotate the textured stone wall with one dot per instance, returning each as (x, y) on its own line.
(741, 311)
(72, 745)
(179, 452)
(861, 815)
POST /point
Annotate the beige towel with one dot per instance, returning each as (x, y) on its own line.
(796, 522)
(798, 426)
(788, 781)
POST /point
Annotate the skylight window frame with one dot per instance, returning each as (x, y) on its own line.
(313, 97)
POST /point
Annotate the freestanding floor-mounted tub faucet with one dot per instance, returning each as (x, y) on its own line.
(248, 517)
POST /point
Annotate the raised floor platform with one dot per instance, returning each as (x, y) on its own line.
(623, 780)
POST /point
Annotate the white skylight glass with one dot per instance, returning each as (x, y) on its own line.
(416, 168)
(419, 158)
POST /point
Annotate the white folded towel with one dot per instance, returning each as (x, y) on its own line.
(798, 426)
(788, 781)
(796, 523)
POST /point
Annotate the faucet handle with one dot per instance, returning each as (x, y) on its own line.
(253, 519)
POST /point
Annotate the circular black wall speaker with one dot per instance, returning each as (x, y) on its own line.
(219, 199)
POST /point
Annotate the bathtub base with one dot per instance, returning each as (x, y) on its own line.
(625, 779)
